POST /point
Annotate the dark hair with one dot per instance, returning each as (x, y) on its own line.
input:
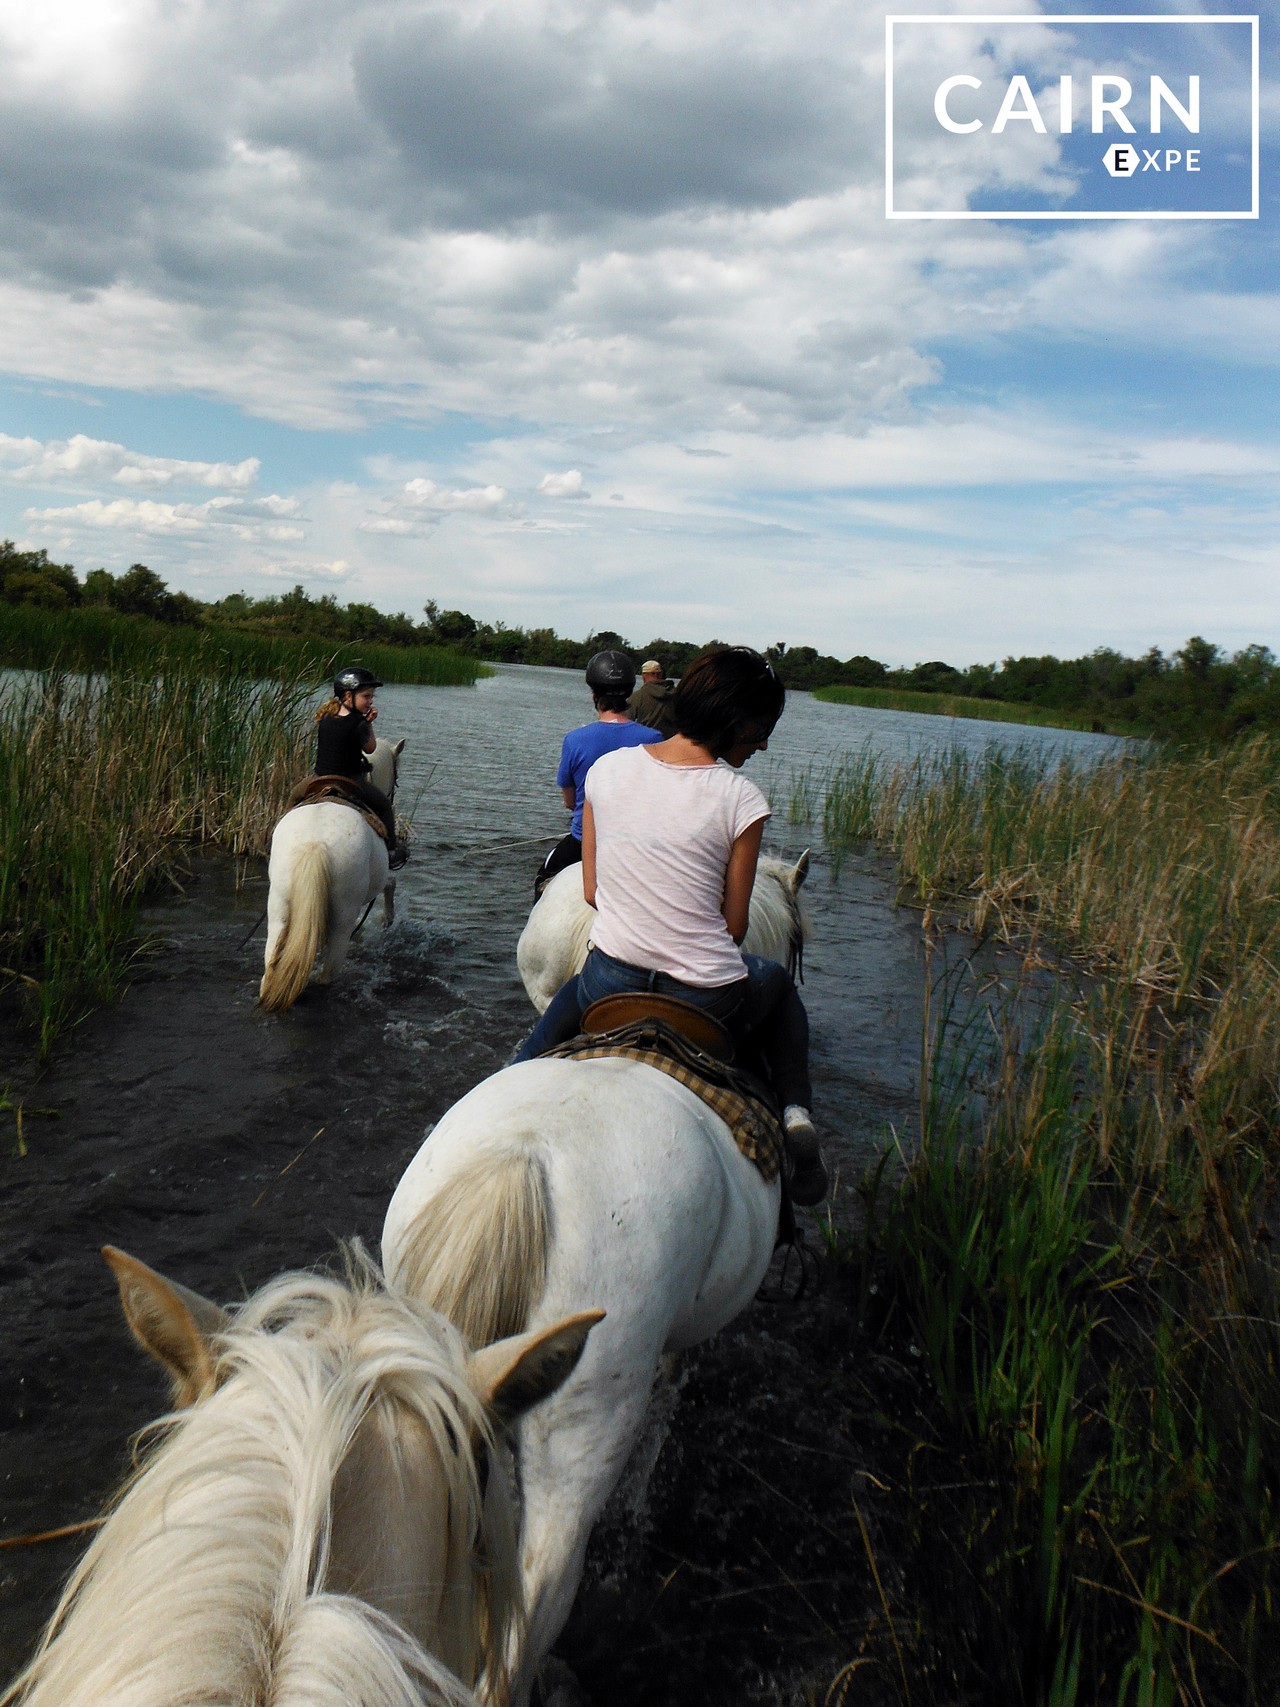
(606, 701)
(727, 696)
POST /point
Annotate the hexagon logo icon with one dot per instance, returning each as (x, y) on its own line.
(1121, 160)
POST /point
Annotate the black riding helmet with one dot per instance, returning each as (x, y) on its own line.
(352, 679)
(611, 671)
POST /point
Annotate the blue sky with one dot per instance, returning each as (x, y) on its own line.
(589, 315)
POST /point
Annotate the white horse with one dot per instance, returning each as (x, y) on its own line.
(327, 865)
(553, 1184)
(553, 944)
(325, 1522)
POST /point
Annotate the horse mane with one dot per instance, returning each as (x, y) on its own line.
(208, 1579)
(478, 1249)
(779, 923)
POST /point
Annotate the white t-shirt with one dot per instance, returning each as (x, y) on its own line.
(664, 834)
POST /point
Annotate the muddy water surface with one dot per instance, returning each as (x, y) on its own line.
(222, 1146)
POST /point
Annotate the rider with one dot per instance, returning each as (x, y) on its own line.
(611, 676)
(653, 701)
(670, 840)
(344, 734)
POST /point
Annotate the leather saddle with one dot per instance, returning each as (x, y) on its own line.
(342, 790)
(632, 1007)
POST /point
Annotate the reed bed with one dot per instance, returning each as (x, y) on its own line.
(98, 639)
(1080, 1247)
(967, 705)
(106, 781)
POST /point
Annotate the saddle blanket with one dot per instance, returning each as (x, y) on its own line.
(313, 790)
(742, 1101)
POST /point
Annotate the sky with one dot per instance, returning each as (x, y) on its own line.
(588, 314)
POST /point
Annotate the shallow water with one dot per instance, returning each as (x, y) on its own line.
(222, 1145)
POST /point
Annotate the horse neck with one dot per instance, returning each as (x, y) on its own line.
(212, 1578)
(776, 928)
(382, 767)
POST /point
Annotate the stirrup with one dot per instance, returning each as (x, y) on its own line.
(397, 857)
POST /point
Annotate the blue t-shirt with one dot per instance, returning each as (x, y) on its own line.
(582, 747)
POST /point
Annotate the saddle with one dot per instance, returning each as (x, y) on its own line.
(629, 1007)
(338, 790)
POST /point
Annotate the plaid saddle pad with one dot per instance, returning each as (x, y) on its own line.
(745, 1103)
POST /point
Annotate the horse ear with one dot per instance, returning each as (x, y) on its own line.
(513, 1375)
(399, 747)
(799, 871)
(172, 1323)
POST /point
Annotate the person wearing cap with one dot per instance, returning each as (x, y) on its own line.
(653, 701)
(611, 675)
(344, 734)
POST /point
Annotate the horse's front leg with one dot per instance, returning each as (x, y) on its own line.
(571, 1456)
(389, 902)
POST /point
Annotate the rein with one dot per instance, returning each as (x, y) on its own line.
(795, 947)
(252, 928)
(356, 932)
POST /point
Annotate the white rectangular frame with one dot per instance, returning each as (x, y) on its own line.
(892, 18)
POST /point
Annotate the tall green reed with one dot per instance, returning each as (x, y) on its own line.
(962, 705)
(1092, 1511)
(1080, 1247)
(97, 639)
(107, 780)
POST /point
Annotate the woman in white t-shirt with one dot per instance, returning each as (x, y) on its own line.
(670, 838)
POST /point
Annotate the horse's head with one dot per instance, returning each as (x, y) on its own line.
(330, 1500)
(779, 921)
(384, 765)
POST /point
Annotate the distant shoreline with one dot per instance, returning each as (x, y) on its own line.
(981, 710)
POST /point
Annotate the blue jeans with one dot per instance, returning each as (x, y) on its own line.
(762, 1009)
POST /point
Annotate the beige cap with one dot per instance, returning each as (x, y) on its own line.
(651, 664)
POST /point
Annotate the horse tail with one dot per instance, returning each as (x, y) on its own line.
(478, 1250)
(306, 926)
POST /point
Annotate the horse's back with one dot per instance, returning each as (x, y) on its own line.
(649, 1197)
(553, 943)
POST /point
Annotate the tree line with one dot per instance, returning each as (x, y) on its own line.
(1199, 689)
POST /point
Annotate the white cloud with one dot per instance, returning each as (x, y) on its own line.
(424, 494)
(305, 569)
(566, 485)
(247, 519)
(80, 460)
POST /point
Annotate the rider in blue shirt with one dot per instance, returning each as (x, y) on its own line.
(611, 676)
